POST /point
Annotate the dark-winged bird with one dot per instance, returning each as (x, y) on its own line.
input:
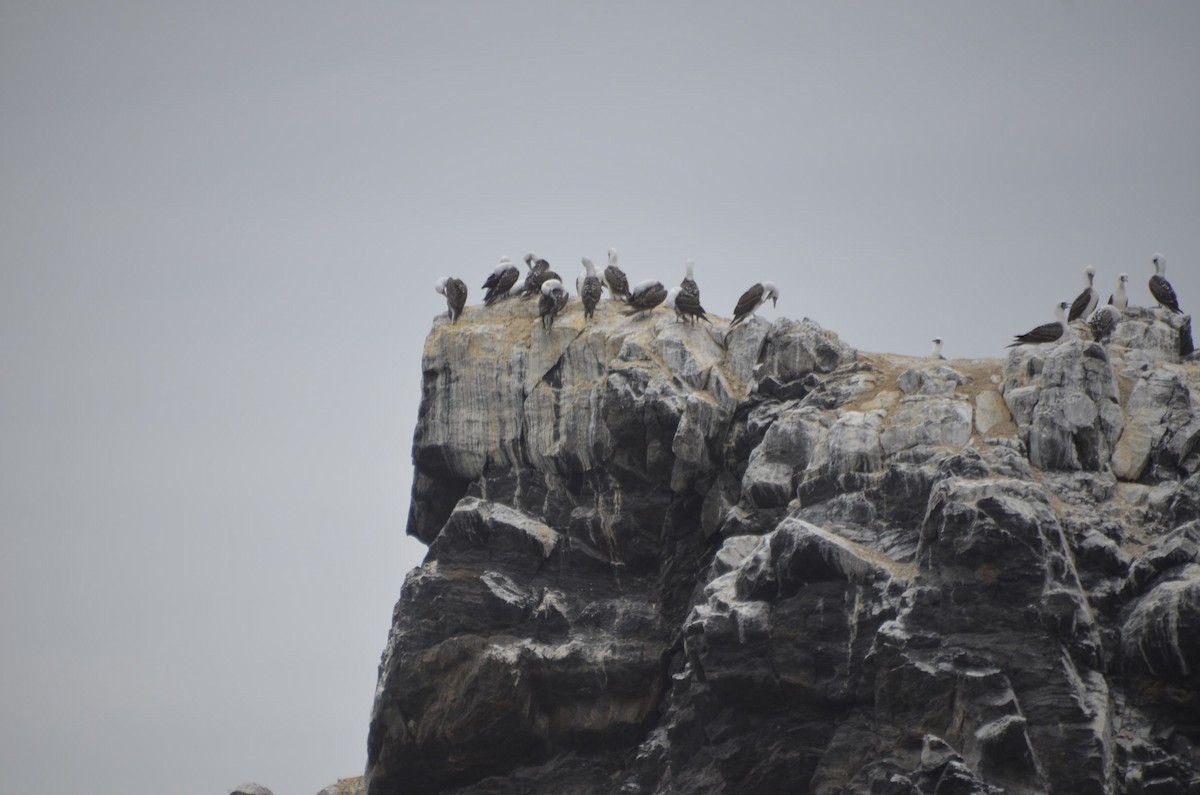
(1087, 300)
(455, 291)
(687, 306)
(752, 299)
(1120, 298)
(1047, 332)
(645, 296)
(615, 279)
(554, 298)
(590, 290)
(500, 281)
(1160, 288)
(1103, 322)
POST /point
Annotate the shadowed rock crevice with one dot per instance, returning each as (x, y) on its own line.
(668, 559)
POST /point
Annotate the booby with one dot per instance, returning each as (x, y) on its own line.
(936, 351)
(590, 290)
(1047, 332)
(687, 306)
(554, 298)
(1103, 321)
(615, 279)
(455, 291)
(1160, 288)
(500, 281)
(1119, 298)
(539, 273)
(645, 296)
(1087, 300)
(688, 285)
(752, 299)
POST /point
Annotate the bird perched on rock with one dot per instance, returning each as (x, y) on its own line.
(1104, 321)
(539, 274)
(554, 298)
(590, 290)
(455, 291)
(687, 306)
(1160, 288)
(1120, 298)
(1047, 332)
(615, 279)
(688, 286)
(645, 296)
(936, 351)
(752, 299)
(500, 281)
(1087, 300)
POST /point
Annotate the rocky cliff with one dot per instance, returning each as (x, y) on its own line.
(663, 561)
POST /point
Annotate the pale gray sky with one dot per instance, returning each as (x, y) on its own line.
(220, 223)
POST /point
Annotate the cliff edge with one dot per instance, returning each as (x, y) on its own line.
(661, 561)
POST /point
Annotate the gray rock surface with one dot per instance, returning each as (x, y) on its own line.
(669, 559)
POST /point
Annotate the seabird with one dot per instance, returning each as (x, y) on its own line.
(1119, 298)
(1160, 288)
(615, 279)
(500, 281)
(688, 286)
(1103, 321)
(752, 299)
(554, 298)
(687, 306)
(1087, 300)
(936, 351)
(590, 290)
(645, 296)
(455, 291)
(539, 273)
(1047, 332)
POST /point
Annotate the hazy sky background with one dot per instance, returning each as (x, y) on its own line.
(220, 223)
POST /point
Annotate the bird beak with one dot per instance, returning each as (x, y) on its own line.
(774, 301)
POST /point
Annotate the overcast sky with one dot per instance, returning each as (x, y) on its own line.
(220, 223)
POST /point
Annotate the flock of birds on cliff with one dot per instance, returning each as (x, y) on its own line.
(506, 282)
(1103, 320)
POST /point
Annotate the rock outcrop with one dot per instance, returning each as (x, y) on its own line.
(664, 561)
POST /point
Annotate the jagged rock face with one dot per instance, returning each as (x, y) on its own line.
(667, 559)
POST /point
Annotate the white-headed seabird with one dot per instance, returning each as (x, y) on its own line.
(688, 286)
(752, 299)
(615, 279)
(500, 281)
(1087, 300)
(1160, 288)
(687, 306)
(645, 296)
(539, 273)
(1103, 321)
(554, 298)
(1047, 332)
(590, 290)
(1120, 298)
(936, 351)
(455, 291)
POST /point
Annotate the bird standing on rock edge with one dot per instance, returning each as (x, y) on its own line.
(590, 290)
(455, 291)
(1087, 300)
(1120, 298)
(500, 281)
(1047, 332)
(1103, 322)
(1160, 288)
(645, 296)
(615, 278)
(554, 298)
(752, 299)
(936, 351)
(687, 306)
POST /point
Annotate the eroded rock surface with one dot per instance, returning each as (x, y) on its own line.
(672, 559)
